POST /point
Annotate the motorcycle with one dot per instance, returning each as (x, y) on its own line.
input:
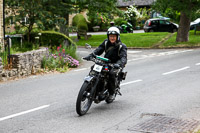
(126, 28)
(94, 88)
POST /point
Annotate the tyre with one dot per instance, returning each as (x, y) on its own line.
(151, 30)
(108, 100)
(84, 101)
(174, 30)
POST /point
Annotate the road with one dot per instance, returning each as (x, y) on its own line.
(161, 84)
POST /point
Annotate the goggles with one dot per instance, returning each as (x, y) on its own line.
(112, 32)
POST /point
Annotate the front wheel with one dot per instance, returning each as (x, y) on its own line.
(84, 101)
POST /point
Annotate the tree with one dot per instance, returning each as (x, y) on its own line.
(93, 6)
(48, 14)
(45, 14)
(186, 8)
(23, 9)
(57, 13)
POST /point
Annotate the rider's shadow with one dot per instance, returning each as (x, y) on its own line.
(104, 107)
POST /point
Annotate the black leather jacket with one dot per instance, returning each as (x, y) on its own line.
(117, 54)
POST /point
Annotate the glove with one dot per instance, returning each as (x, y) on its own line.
(89, 57)
(116, 66)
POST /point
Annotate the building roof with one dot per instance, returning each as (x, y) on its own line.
(126, 3)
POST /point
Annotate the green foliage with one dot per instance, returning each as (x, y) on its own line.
(59, 59)
(3, 56)
(99, 19)
(99, 6)
(189, 7)
(76, 19)
(131, 15)
(101, 13)
(143, 14)
(120, 21)
(52, 38)
(82, 26)
(46, 14)
(80, 22)
(195, 15)
(186, 8)
(26, 46)
(25, 8)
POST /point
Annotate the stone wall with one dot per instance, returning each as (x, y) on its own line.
(23, 64)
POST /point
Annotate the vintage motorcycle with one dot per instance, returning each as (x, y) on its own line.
(94, 87)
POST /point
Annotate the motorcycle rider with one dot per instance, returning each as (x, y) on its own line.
(116, 51)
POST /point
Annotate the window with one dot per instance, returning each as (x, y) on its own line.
(162, 22)
(167, 22)
(155, 22)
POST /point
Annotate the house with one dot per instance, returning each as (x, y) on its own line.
(122, 4)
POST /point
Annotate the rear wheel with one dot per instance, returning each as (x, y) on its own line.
(151, 30)
(84, 101)
(174, 30)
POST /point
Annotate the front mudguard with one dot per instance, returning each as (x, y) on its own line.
(88, 78)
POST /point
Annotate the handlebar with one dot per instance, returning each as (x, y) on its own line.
(102, 59)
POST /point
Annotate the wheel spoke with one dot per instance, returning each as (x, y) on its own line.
(83, 101)
(85, 104)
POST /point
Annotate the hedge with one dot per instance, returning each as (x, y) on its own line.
(80, 22)
(53, 38)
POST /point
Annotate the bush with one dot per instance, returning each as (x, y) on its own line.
(82, 26)
(76, 19)
(60, 59)
(52, 38)
(99, 19)
(80, 22)
(120, 21)
(26, 46)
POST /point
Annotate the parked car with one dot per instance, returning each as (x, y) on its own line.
(160, 25)
(194, 23)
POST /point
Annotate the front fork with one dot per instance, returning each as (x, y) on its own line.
(94, 86)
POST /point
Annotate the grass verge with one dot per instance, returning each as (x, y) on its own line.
(139, 40)
(194, 41)
(147, 40)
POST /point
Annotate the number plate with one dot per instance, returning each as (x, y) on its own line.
(97, 68)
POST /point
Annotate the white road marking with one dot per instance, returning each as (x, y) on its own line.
(137, 59)
(24, 112)
(187, 50)
(131, 82)
(160, 54)
(82, 69)
(184, 68)
(133, 52)
(198, 64)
